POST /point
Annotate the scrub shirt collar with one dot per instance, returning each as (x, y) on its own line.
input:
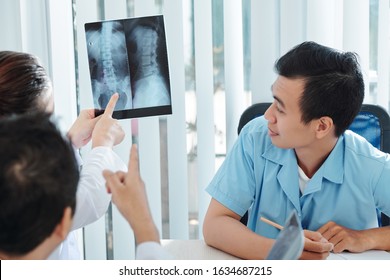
(332, 169)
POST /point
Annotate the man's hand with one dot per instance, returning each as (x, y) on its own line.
(345, 239)
(81, 131)
(129, 195)
(107, 131)
(316, 246)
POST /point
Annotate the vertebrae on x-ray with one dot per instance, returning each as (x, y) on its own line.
(110, 72)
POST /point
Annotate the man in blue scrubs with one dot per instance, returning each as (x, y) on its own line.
(300, 156)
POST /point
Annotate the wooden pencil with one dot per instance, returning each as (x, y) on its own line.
(265, 220)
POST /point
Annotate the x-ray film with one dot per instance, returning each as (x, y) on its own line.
(290, 241)
(129, 56)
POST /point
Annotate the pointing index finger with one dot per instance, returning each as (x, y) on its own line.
(111, 105)
(133, 168)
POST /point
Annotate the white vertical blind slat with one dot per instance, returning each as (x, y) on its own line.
(35, 30)
(292, 24)
(338, 30)
(62, 57)
(10, 25)
(265, 49)
(115, 9)
(321, 21)
(356, 36)
(383, 54)
(123, 237)
(205, 102)
(149, 140)
(234, 69)
(176, 130)
(144, 7)
(149, 156)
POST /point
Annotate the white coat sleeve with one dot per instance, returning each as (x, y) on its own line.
(152, 251)
(92, 199)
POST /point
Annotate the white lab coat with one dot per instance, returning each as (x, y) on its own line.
(92, 199)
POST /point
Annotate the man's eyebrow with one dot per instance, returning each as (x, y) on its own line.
(279, 100)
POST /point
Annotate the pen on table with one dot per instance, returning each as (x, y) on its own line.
(265, 220)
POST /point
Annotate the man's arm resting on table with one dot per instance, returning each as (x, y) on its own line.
(223, 230)
(345, 239)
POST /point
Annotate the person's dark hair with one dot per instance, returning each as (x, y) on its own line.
(334, 85)
(38, 180)
(22, 82)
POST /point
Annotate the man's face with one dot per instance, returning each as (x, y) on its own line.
(284, 116)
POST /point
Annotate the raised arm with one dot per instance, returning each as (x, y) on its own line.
(92, 197)
(129, 195)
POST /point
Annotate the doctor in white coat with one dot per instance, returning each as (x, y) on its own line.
(92, 198)
(40, 188)
(26, 88)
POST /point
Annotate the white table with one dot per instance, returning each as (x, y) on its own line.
(194, 250)
(198, 250)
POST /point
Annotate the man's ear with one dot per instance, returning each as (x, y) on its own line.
(63, 228)
(324, 127)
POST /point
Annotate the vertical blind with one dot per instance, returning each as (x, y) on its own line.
(180, 153)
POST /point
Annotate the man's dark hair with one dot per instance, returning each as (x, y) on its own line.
(38, 180)
(23, 81)
(334, 85)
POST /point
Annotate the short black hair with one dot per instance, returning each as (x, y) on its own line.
(38, 180)
(334, 85)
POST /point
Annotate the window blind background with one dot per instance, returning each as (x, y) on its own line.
(221, 56)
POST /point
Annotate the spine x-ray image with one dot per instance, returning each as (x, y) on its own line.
(108, 64)
(129, 56)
